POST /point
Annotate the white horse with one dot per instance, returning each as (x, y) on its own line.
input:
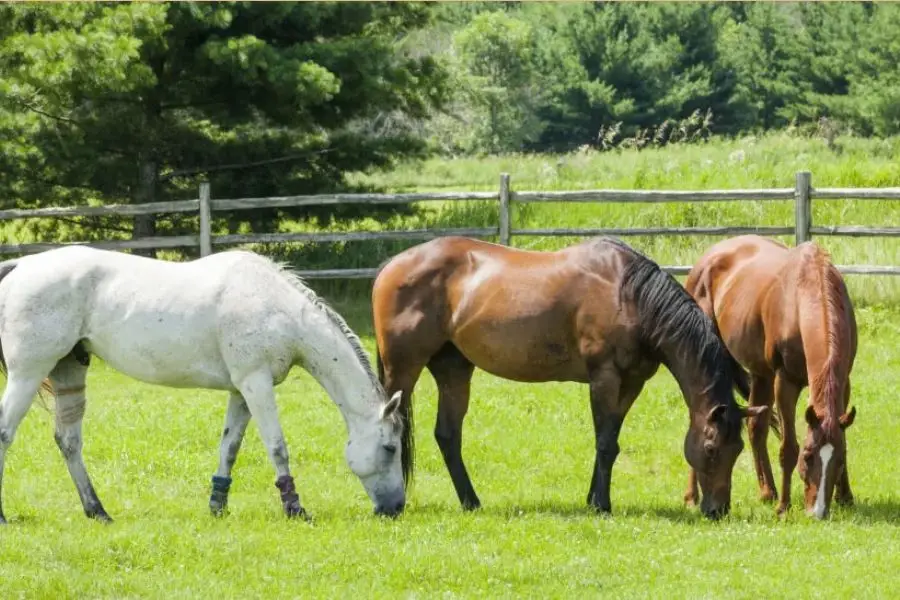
(233, 321)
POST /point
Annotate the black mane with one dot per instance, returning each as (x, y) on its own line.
(672, 324)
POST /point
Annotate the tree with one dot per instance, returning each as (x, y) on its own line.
(872, 102)
(496, 55)
(137, 102)
(765, 47)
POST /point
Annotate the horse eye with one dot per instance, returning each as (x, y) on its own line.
(390, 448)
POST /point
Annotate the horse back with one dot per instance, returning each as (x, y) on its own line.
(527, 316)
(736, 282)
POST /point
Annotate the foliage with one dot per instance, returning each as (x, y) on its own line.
(636, 66)
(138, 102)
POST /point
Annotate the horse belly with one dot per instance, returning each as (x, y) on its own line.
(169, 360)
(531, 356)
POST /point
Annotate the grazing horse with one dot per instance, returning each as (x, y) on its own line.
(233, 321)
(784, 313)
(598, 313)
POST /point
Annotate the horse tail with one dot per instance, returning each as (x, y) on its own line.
(823, 308)
(6, 267)
(407, 440)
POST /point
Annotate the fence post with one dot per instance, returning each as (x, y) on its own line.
(504, 209)
(802, 208)
(205, 218)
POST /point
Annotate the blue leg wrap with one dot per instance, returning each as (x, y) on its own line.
(218, 500)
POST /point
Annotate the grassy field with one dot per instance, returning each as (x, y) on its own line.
(765, 162)
(529, 448)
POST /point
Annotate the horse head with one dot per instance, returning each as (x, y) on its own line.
(822, 460)
(712, 446)
(373, 454)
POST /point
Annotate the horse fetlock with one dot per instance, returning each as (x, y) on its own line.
(599, 503)
(98, 513)
(290, 500)
(69, 445)
(470, 503)
(218, 499)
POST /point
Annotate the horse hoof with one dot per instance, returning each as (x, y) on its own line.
(768, 496)
(600, 509)
(2, 520)
(846, 502)
(293, 510)
(218, 511)
(690, 500)
(470, 506)
(783, 510)
(100, 516)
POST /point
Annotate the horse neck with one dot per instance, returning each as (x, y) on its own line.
(826, 336)
(333, 361)
(695, 376)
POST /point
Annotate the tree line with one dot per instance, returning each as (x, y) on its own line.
(138, 102)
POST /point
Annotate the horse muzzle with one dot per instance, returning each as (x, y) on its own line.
(391, 507)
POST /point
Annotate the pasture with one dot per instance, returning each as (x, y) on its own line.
(529, 448)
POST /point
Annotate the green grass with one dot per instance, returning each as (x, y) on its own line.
(529, 448)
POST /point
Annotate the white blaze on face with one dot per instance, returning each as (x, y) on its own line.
(825, 454)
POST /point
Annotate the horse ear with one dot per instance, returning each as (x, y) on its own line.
(715, 412)
(392, 405)
(847, 419)
(812, 419)
(753, 411)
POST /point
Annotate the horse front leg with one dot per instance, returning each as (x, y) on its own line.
(786, 394)
(453, 374)
(608, 417)
(761, 389)
(68, 380)
(843, 495)
(237, 416)
(258, 391)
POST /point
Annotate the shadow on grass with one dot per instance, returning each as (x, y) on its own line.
(875, 511)
(674, 513)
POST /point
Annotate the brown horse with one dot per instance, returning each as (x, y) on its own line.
(786, 316)
(598, 313)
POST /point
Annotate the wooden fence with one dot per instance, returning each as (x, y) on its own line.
(803, 193)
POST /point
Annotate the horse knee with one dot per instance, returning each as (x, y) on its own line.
(446, 435)
(758, 427)
(68, 444)
(607, 449)
(789, 454)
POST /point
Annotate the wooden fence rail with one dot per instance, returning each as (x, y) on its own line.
(802, 194)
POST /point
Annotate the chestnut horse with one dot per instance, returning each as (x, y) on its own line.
(785, 315)
(598, 313)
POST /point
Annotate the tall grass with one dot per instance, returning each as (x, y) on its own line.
(744, 163)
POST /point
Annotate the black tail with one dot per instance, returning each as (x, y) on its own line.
(6, 268)
(407, 441)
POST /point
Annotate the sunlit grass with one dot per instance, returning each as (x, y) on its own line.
(529, 448)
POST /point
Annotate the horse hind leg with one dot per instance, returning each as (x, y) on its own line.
(453, 374)
(18, 396)
(68, 380)
(237, 417)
